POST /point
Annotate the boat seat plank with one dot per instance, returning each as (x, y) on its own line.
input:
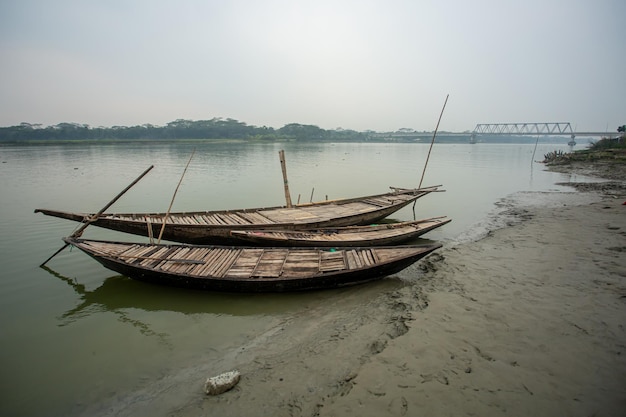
(353, 260)
(245, 263)
(301, 264)
(270, 263)
(384, 256)
(332, 261)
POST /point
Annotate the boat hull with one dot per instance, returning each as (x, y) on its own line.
(394, 259)
(215, 227)
(349, 236)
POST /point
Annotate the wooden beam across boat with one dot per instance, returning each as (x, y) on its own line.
(251, 269)
(214, 227)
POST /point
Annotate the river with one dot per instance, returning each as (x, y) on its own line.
(75, 335)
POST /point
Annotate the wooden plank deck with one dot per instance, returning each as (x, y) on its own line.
(246, 263)
(301, 264)
(312, 213)
(270, 263)
(332, 261)
(250, 269)
(241, 263)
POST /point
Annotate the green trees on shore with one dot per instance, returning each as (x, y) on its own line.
(216, 128)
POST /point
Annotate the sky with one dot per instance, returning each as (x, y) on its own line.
(375, 65)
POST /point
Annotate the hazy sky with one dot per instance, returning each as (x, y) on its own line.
(362, 64)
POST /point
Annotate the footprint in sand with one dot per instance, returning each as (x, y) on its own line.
(398, 406)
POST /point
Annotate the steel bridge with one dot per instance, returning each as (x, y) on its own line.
(501, 129)
(555, 128)
(531, 129)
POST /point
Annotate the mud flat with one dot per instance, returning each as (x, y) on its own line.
(529, 320)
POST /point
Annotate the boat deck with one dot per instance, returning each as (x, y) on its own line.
(297, 214)
(240, 263)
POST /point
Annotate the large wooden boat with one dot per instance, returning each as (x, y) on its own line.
(347, 236)
(214, 227)
(251, 269)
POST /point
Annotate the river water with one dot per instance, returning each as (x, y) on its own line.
(77, 337)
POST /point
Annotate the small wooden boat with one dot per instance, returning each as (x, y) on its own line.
(214, 227)
(372, 235)
(251, 269)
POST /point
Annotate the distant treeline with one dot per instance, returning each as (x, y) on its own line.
(216, 128)
(230, 129)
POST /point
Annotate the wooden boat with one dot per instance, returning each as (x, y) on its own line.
(214, 227)
(250, 269)
(372, 235)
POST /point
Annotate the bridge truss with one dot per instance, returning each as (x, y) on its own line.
(552, 128)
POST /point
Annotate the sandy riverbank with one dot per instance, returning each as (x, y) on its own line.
(528, 321)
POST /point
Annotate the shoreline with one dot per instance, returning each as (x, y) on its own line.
(528, 320)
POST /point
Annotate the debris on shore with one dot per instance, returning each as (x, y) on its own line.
(605, 159)
(221, 383)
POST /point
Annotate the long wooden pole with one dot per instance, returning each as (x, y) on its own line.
(93, 218)
(430, 149)
(433, 141)
(173, 197)
(283, 166)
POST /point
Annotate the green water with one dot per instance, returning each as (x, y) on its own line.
(78, 337)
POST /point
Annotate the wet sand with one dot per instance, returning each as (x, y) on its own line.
(527, 321)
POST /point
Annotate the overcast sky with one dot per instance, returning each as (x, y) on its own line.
(362, 64)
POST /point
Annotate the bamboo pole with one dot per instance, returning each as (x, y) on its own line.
(430, 149)
(174, 197)
(93, 218)
(433, 141)
(150, 232)
(281, 155)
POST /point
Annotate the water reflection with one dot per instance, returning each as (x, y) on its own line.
(118, 293)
